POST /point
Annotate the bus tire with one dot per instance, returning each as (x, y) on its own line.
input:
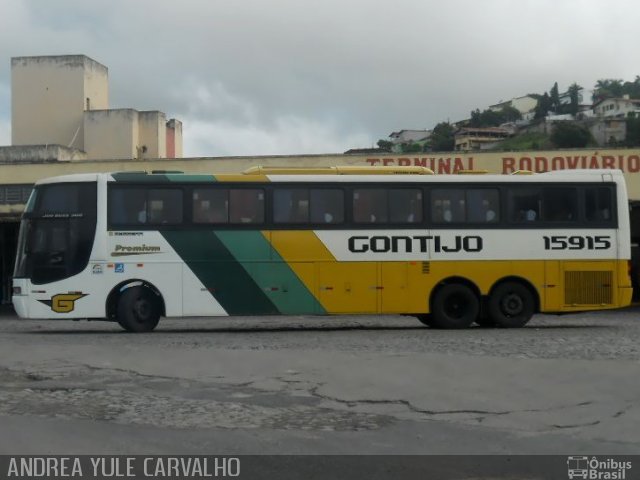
(485, 322)
(138, 310)
(511, 305)
(454, 305)
(425, 319)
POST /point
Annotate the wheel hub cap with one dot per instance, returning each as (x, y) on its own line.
(512, 304)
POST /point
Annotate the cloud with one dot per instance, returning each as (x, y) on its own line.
(347, 71)
(286, 136)
(223, 123)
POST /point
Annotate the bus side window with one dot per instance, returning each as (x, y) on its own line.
(291, 205)
(164, 207)
(405, 205)
(127, 206)
(448, 205)
(598, 204)
(560, 204)
(327, 206)
(524, 204)
(370, 205)
(483, 205)
(210, 205)
(246, 205)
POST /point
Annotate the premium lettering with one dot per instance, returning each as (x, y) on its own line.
(122, 250)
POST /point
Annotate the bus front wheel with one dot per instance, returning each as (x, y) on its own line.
(454, 306)
(511, 305)
(138, 310)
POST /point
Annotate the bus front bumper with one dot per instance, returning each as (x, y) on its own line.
(20, 297)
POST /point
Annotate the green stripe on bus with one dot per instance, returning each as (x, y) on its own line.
(274, 275)
(190, 178)
(139, 177)
(220, 272)
(142, 177)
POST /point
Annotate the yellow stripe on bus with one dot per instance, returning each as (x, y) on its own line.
(405, 286)
(340, 287)
(230, 177)
(299, 246)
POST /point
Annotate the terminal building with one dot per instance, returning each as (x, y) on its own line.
(62, 124)
(64, 101)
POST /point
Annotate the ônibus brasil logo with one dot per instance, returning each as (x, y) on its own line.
(593, 468)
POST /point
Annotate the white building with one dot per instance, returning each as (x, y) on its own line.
(409, 136)
(523, 104)
(617, 107)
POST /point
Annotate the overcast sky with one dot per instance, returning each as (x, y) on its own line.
(258, 77)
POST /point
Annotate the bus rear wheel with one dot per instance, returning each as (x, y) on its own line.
(138, 310)
(454, 306)
(425, 319)
(511, 305)
(485, 322)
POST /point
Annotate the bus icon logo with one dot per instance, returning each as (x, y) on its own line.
(578, 467)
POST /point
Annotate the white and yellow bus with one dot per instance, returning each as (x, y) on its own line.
(450, 249)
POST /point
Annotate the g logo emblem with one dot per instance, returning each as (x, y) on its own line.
(65, 302)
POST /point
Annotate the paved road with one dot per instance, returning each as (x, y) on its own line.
(566, 385)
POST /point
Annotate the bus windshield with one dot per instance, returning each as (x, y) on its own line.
(57, 231)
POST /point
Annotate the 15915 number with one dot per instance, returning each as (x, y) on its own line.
(577, 242)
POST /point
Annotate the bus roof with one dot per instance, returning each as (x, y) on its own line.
(339, 170)
(343, 175)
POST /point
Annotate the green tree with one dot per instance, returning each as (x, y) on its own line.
(385, 145)
(490, 118)
(543, 106)
(443, 137)
(411, 147)
(632, 88)
(570, 135)
(574, 94)
(476, 118)
(554, 95)
(607, 88)
(493, 118)
(633, 132)
(510, 114)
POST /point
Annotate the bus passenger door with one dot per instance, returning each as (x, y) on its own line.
(348, 287)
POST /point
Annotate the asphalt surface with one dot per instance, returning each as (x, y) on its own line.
(310, 385)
